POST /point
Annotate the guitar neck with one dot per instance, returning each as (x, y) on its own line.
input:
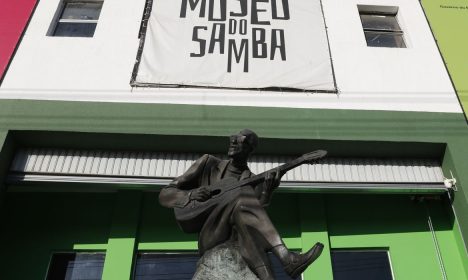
(282, 169)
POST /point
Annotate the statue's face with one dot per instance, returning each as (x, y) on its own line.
(238, 146)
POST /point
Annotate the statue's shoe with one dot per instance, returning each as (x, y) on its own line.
(299, 262)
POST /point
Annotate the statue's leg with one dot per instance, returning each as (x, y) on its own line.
(256, 229)
(256, 234)
(249, 215)
(242, 209)
(253, 247)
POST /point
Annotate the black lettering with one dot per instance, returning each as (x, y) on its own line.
(222, 9)
(221, 27)
(238, 53)
(275, 44)
(258, 43)
(243, 27)
(255, 10)
(274, 10)
(243, 9)
(232, 26)
(193, 5)
(200, 41)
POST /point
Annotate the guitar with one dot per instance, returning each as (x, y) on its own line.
(192, 216)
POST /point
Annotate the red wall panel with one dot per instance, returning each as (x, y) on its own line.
(14, 15)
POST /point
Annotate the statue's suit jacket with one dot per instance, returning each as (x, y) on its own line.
(205, 171)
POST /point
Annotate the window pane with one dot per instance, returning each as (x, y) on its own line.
(385, 39)
(76, 266)
(380, 22)
(160, 266)
(361, 265)
(83, 11)
(165, 266)
(71, 29)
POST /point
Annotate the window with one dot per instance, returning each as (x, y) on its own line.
(361, 265)
(181, 266)
(381, 27)
(78, 19)
(76, 266)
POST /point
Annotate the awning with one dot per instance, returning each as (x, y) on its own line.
(152, 170)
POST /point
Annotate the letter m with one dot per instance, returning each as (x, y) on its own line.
(238, 53)
(193, 6)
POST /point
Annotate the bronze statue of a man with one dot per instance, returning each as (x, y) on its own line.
(240, 215)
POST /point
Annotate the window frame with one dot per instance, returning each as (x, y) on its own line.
(386, 11)
(56, 252)
(59, 12)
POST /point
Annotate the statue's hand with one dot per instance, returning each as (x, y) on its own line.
(272, 180)
(200, 194)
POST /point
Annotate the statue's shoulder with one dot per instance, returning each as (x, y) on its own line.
(210, 160)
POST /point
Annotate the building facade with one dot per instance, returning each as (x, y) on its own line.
(14, 18)
(85, 148)
(446, 19)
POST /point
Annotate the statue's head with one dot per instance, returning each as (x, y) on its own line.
(242, 144)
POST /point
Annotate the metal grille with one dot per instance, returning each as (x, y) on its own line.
(63, 162)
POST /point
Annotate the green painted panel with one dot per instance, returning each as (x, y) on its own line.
(455, 162)
(284, 123)
(42, 223)
(314, 229)
(449, 22)
(446, 235)
(400, 225)
(460, 245)
(122, 240)
(36, 225)
(292, 243)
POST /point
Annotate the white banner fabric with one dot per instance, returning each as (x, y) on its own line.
(237, 44)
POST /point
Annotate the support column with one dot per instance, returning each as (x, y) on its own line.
(122, 240)
(314, 229)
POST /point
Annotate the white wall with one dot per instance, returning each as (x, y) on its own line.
(99, 68)
(417, 69)
(104, 62)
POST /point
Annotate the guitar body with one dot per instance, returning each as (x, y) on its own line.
(192, 217)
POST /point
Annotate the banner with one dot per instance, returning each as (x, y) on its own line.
(236, 44)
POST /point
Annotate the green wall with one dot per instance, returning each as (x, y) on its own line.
(401, 225)
(449, 22)
(204, 129)
(455, 161)
(122, 223)
(281, 123)
(6, 151)
(35, 225)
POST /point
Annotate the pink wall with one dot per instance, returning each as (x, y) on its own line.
(14, 15)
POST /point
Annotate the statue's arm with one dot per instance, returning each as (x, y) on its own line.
(177, 193)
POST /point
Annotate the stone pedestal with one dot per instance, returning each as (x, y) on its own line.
(224, 262)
